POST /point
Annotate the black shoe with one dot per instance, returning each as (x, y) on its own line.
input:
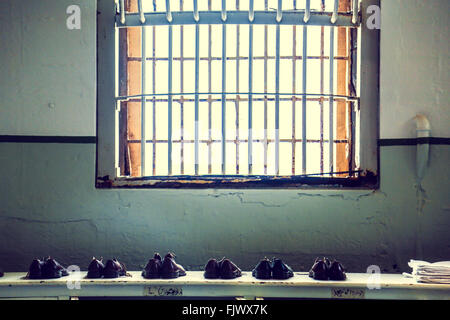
(52, 269)
(228, 270)
(212, 269)
(280, 270)
(95, 269)
(170, 269)
(114, 269)
(1, 273)
(319, 271)
(35, 270)
(153, 268)
(336, 272)
(263, 270)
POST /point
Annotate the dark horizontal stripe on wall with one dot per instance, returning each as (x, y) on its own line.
(413, 141)
(48, 139)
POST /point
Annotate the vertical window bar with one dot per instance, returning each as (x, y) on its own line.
(224, 88)
(169, 106)
(237, 91)
(224, 10)
(250, 99)
(355, 11)
(209, 96)
(168, 12)
(251, 12)
(141, 12)
(122, 11)
(304, 58)
(277, 101)
(197, 71)
(265, 91)
(196, 16)
(154, 91)
(294, 66)
(331, 124)
(307, 11)
(322, 54)
(279, 11)
(143, 140)
(182, 97)
(335, 11)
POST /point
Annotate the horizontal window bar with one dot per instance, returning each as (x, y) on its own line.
(236, 17)
(350, 98)
(236, 141)
(238, 58)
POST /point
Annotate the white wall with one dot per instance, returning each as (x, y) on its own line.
(415, 68)
(48, 72)
(49, 204)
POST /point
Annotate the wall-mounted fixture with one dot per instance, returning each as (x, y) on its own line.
(423, 130)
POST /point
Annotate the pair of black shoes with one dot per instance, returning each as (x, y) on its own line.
(48, 269)
(224, 269)
(323, 269)
(165, 268)
(275, 269)
(112, 269)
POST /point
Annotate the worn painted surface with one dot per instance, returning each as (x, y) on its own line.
(415, 66)
(48, 72)
(49, 205)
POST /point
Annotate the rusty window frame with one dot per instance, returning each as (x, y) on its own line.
(123, 178)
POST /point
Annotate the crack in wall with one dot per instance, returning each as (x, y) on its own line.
(26, 220)
(241, 196)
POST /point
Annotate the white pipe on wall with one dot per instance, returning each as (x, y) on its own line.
(423, 130)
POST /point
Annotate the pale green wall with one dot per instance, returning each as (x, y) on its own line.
(49, 206)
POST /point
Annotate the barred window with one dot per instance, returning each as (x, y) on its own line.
(239, 93)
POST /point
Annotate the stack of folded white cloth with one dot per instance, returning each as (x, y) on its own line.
(426, 272)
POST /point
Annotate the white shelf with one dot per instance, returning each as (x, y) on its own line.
(392, 286)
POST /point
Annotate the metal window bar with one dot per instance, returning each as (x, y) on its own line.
(304, 72)
(237, 91)
(277, 99)
(224, 88)
(143, 76)
(322, 54)
(250, 96)
(238, 17)
(209, 96)
(182, 97)
(294, 75)
(310, 57)
(318, 96)
(169, 105)
(154, 91)
(197, 74)
(266, 144)
(331, 111)
(227, 17)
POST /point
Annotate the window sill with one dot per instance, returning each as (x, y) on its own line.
(364, 181)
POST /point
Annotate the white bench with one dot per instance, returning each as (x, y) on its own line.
(357, 286)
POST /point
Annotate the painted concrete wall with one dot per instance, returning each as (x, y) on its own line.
(48, 72)
(415, 68)
(49, 205)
